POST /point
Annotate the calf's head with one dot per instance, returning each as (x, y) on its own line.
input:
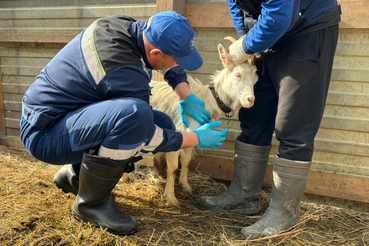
(236, 81)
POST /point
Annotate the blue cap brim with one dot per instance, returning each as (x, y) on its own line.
(191, 62)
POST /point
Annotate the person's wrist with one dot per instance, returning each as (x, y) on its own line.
(197, 139)
(190, 140)
(187, 98)
(240, 45)
(183, 91)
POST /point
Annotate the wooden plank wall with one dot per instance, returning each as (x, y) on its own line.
(32, 32)
(2, 114)
(342, 143)
(341, 157)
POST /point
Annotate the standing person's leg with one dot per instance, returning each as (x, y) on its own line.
(301, 71)
(252, 149)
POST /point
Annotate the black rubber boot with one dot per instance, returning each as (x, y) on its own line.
(67, 178)
(94, 202)
(242, 196)
(289, 181)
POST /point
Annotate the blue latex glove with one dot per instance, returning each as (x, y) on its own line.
(210, 138)
(194, 107)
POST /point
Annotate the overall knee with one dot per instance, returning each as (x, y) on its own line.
(135, 114)
(163, 120)
(167, 123)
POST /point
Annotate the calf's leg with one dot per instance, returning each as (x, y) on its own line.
(186, 156)
(172, 166)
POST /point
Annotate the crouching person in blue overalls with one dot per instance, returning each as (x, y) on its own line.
(90, 107)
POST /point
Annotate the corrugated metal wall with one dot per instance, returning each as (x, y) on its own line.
(342, 143)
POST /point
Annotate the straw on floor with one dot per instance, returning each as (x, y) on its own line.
(34, 212)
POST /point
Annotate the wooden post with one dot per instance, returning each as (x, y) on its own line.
(157, 76)
(2, 113)
(171, 5)
(178, 6)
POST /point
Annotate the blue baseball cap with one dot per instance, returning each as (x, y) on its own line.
(173, 35)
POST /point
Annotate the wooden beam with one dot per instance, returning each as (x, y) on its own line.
(171, 5)
(355, 14)
(217, 167)
(13, 142)
(157, 76)
(35, 38)
(2, 113)
(330, 184)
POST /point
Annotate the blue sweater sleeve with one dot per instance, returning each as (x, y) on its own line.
(237, 17)
(277, 16)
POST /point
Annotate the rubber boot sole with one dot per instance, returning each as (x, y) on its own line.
(126, 232)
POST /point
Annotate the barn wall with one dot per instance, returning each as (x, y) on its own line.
(341, 158)
(32, 32)
(342, 143)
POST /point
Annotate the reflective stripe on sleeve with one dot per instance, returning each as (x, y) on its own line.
(90, 53)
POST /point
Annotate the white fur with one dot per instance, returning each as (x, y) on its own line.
(234, 85)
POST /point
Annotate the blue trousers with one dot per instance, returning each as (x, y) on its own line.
(124, 125)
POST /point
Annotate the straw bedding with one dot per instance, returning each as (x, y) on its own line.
(34, 212)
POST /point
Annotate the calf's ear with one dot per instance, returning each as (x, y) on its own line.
(225, 58)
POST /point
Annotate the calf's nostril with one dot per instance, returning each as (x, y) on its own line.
(251, 100)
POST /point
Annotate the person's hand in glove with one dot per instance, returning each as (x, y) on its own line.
(237, 51)
(209, 138)
(194, 107)
(191, 105)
